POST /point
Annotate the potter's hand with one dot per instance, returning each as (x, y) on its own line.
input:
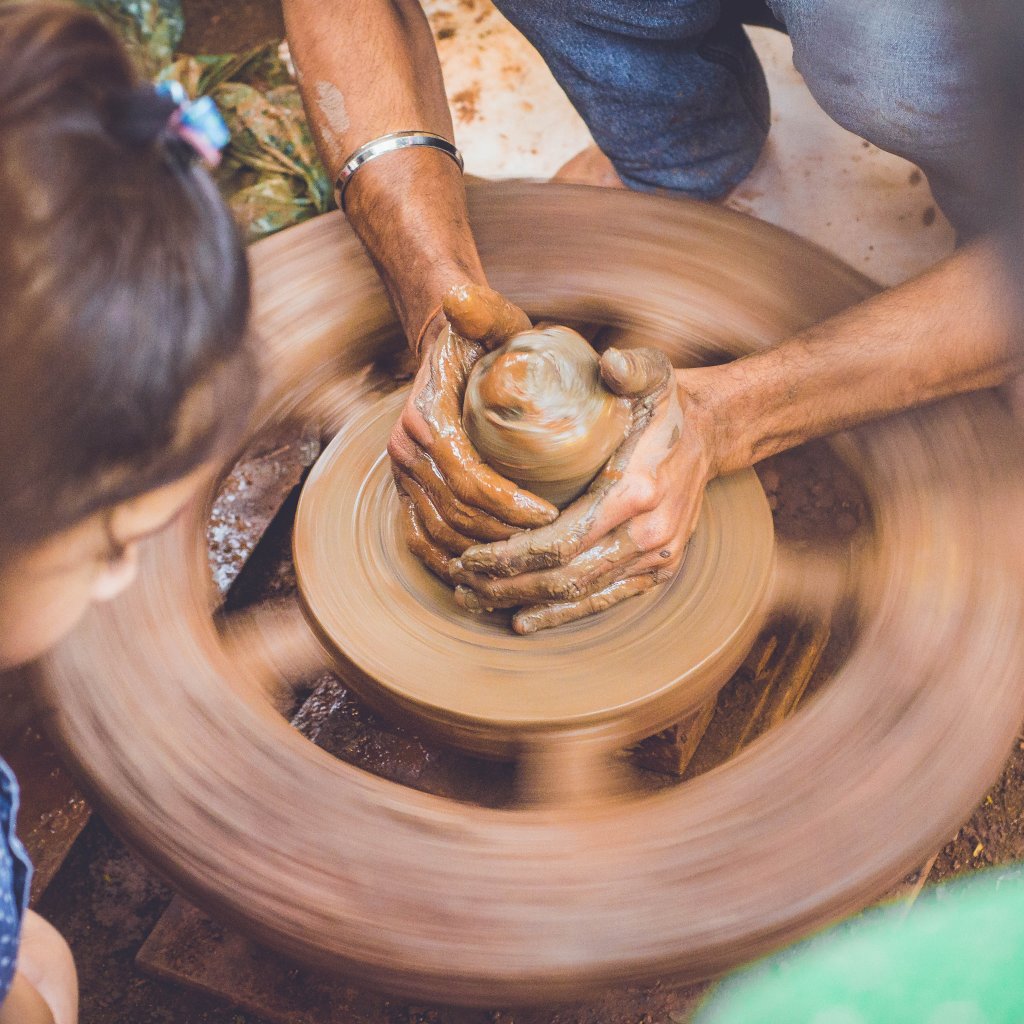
(626, 534)
(450, 498)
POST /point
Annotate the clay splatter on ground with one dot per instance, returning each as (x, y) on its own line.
(464, 104)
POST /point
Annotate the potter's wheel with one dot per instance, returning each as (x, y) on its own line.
(165, 709)
(629, 671)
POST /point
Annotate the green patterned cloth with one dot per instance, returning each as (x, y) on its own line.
(271, 175)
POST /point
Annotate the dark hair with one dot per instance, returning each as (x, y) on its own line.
(124, 288)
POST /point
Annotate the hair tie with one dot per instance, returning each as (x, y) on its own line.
(197, 122)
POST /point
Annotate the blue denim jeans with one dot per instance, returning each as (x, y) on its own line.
(675, 96)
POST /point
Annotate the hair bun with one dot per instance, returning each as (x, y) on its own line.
(139, 116)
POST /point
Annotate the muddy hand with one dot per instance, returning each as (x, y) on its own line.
(626, 534)
(451, 499)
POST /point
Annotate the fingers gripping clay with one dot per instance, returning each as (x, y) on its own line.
(538, 413)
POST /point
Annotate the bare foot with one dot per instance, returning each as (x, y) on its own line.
(589, 167)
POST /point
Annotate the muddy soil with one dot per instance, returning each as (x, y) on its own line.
(105, 902)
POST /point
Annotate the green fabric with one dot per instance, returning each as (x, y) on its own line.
(956, 957)
(270, 176)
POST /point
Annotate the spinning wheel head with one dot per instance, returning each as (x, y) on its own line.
(402, 641)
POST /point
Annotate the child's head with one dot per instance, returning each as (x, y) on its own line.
(124, 295)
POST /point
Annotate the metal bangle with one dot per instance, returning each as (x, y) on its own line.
(389, 144)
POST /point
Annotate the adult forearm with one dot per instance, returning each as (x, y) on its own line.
(948, 331)
(366, 68)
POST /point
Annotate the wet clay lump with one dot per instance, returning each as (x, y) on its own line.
(537, 412)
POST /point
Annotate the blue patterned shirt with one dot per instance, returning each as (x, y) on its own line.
(15, 875)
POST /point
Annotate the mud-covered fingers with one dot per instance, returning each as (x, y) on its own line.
(412, 462)
(439, 531)
(483, 315)
(448, 368)
(432, 421)
(653, 543)
(473, 601)
(471, 518)
(588, 574)
(592, 569)
(613, 499)
(473, 482)
(544, 616)
(532, 551)
(476, 484)
(619, 495)
(545, 547)
(418, 541)
(636, 372)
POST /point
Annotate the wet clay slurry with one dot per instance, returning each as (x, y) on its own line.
(443, 900)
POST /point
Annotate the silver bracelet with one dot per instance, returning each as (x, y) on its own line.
(389, 144)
